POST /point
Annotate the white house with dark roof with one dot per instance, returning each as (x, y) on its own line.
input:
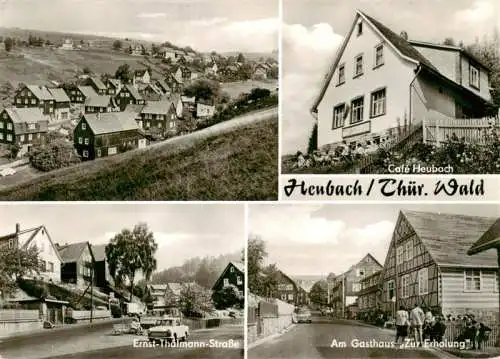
(100, 103)
(380, 82)
(48, 256)
(77, 263)
(427, 264)
(61, 103)
(160, 115)
(105, 134)
(23, 126)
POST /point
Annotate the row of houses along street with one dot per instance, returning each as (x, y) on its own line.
(125, 287)
(445, 263)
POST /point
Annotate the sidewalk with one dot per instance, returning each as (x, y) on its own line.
(485, 353)
(270, 337)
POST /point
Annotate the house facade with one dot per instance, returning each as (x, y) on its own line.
(128, 95)
(369, 294)
(61, 104)
(160, 115)
(427, 264)
(346, 286)
(233, 274)
(204, 111)
(96, 83)
(106, 134)
(35, 96)
(142, 76)
(23, 126)
(77, 263)
(75, 94)
(102, 276)
(380, 82)
(113, 86)
(48, 256)
(100, 103)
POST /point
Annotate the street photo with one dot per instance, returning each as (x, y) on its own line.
(366, 91)
(373, 281)
(122, 281)
(139, 100)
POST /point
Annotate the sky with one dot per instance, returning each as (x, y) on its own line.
(205, 25)
(320, 239)
(182, 231)
(313, 30)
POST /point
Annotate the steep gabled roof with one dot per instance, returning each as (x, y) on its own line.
(157, 107)
(400, 45)
(99, 252)
(490, 239)
(59, 94)
(98, 101)
(98, 82)
(72, 252)
(40, 92)
(87, 91)
(133, 91)
(110, 122)
(238, 265)
(25, 115)
(448, 237)
(115, 82)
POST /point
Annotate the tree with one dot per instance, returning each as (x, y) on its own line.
(8, 43)
(123, 73)
(270, 281)
(195, 301)
(56, 154)
(256, 253)
(129, 252)
(204, 89)
(331, 277)
(14, 150)
(228, 297)
(15, 263)
(240, 58)
(449, 41)
(319, 293)
(258, 93)
(203, 275)
(312, 145)
(86, 70)
(117, 45)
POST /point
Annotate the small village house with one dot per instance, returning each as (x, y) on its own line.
(35, 96)
(100, 103)
(287, 290)
(68, 45)
(113, 86)
(211, 69)
(368, 295)
(381, 83)
(160, 115)
(427, 264)
(102, 276)
(149, 91)
(106, 134)
(87, 92)
(61, 104)
(165, 298)
(344, 292)
(142, 76)
(96, 83)
(163, 86)
(233, 274)
(129, 95)
(77, 263)
(48, 256)
(167, 53)
(138, 50)
(174, 82)
(188, 107)
(75, 94)
(260, 72)
(23, 126)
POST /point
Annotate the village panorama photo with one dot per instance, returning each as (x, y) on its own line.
(391, 87)
(373, 281)
(139, 100)
(131, 281)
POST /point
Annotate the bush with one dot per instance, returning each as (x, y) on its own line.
(53, 156)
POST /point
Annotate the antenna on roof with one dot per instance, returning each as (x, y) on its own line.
(404, 35)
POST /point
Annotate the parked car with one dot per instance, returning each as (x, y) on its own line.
(168, 330)
(7, 172)
(303, 316)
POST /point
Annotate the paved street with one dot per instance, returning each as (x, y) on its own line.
(100, 343)
(312, 341)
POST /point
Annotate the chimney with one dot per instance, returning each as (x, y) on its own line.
(404, 35)
(18, 228)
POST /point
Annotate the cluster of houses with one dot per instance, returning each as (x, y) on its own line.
(427, 264)
(381, 81)
(76, 264)
(287, 290)
(114, 116)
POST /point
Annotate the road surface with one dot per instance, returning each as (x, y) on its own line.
(100, 343)
(314, 341)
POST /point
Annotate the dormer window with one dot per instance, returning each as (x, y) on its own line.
(474, 76)
(360, 28)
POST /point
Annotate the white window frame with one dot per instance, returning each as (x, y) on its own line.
(400, 254)
(474, 74)
(225, 282)
(80, 140)
(1, 124)
(1, 135)
(378, 103)
(409, 250)
(390, 286)
(423, 281)
(84, 126)
(357, 110)
(21, 138)
(361, 68)
(405, 286)
(9, 137)
(85, 154)
(474, 275)
(338, 116)
(9, 126)
(86, 141)
(30, 136)
(378, 48)
(341, 79)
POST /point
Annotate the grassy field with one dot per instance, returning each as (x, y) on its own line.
(38, 65)
(236, 88)
(240, 165)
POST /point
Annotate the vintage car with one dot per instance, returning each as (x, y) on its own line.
(303, 316)
(168, 329)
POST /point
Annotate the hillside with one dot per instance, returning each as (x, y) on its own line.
(205, 271)
(218, 163)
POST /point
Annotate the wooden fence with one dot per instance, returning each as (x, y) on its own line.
(19, 315)
(85, 314)
(473, 130)
(453, 330)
